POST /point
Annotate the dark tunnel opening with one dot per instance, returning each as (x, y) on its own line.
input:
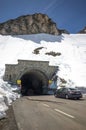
(33, 83)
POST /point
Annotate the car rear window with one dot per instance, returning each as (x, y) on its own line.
(72, 89)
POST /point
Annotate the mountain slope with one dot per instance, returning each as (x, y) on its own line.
(71, 62)
(29, 24)
(83, 31)
(68, 52)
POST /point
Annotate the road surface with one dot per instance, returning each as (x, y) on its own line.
(50, 113)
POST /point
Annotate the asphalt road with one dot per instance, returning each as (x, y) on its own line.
(50, 113)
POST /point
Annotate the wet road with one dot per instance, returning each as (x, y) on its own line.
(50, 113)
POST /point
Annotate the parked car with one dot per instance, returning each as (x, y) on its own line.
(68, 93)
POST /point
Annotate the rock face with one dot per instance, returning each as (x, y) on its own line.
(83, 31)
(29, 24)
(63, 31)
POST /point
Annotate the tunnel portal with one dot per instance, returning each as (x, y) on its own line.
(34, 75)
(34, 83)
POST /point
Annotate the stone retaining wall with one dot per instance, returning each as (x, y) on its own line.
(13, 72)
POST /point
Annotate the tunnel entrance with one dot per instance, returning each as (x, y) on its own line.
(34, 83)
(33, 76)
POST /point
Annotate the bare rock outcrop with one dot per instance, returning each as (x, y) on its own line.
(29, 24)
(83, 31)
(63, 31)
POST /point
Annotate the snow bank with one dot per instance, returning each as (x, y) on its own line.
(7, 96)
(71, 62)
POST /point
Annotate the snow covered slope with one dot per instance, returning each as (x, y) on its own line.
(71, 62)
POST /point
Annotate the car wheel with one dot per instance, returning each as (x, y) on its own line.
(66, 96)
(55, 95)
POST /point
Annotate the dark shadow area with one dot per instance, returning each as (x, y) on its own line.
(37, 38)
(33, 83)
(72, 99)
(81, 99)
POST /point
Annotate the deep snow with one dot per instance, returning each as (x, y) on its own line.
(71, 62)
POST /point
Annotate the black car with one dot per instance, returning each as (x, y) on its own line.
(68, 93)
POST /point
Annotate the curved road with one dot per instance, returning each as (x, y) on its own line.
(50, 113)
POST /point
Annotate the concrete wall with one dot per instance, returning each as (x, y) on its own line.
(14, 72)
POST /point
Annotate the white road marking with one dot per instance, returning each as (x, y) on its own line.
(61, 112)
(29, 98)
(64, 113)
(46, 105)
(19, 126)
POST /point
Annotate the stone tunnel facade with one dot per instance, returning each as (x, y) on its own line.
(34, 74)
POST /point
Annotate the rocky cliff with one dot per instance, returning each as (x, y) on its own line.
(83, 31)
(29, 24)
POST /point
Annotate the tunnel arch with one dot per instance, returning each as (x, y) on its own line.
(34, 82)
